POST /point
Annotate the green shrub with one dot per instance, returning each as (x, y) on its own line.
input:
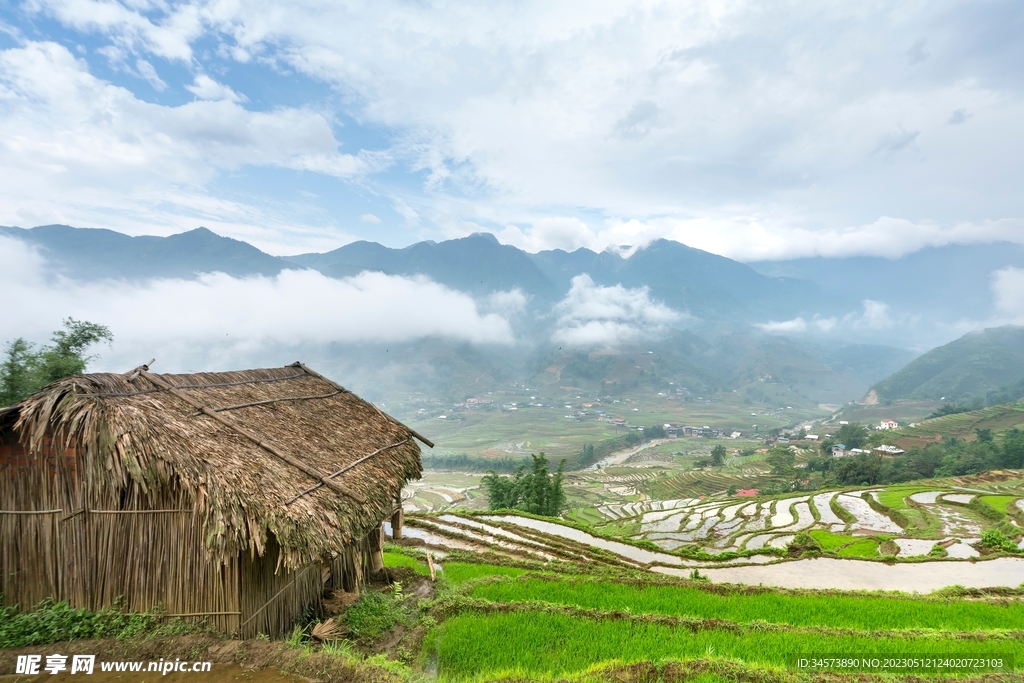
(376, 612)
(53, 621)
(997, 540)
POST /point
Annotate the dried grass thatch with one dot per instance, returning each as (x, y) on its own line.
(238, 465)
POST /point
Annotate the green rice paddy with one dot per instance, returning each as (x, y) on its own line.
(998, 503)
(869, 612)
(529, 643)
(460, 572)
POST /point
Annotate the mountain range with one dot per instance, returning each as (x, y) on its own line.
(723, 339)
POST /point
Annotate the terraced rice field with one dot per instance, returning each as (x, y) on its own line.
(935, 514)
(542, 626)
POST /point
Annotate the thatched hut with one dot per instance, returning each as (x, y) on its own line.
(231, 496)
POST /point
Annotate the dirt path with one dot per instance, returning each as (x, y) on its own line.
(620, 457)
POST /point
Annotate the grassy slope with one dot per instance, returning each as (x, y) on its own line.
(968, 367)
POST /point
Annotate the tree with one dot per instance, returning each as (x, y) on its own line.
(718, 455)
(853, 435)
(655, 432)
(536, 490)
(984, 435)
(24, 371)
(781, 460)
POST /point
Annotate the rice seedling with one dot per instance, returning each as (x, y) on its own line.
(399, 560)
(460, 572)
(998, 503)
(527, 643)
(871, 612)
(865, 547)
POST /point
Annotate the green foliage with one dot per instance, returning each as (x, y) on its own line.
(971, 366)
(463, 462)
(376, 612)
(997, 540)
(52, 622)
(401, 560)
(24, 371)
(718, 455)
(938, 551)
(537, 491)
(802, 543)
(865, 547)
(781, 460)
(296, 639)
(654, 432)
(948, 409)
(853, 435)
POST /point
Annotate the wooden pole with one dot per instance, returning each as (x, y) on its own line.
(377, 549)
(298, 464)
(397, 517)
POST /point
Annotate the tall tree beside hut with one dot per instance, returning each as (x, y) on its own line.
(536, 490)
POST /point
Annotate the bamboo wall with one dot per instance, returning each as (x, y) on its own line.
(53, 544)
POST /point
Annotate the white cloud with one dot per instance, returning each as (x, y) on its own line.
(147, 71)
(370, 218)
(750, 239)
(593, 315)
(237, 318)
(75, 149)
(874, 317)
(205, 88)
(1008, 291)
(730, 126)
(794, 326)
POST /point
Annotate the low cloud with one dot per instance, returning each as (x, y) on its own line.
(748, 239)
(874, 317)
(592, 315)
(237, 319)
(1008, 291)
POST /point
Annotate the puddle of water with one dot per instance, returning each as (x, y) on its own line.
(926, 497)
(914, 546)
(783, 512)
(535, 547)
(432, 539)
(636, 554)
(486, 538)
(826, 572)
(867, 518)
(962, 551)
(219, 673)
(821, 503)
(962, 498)
(780, 541)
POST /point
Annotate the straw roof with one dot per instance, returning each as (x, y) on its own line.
(142, 445)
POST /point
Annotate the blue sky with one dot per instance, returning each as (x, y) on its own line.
(748, 129)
